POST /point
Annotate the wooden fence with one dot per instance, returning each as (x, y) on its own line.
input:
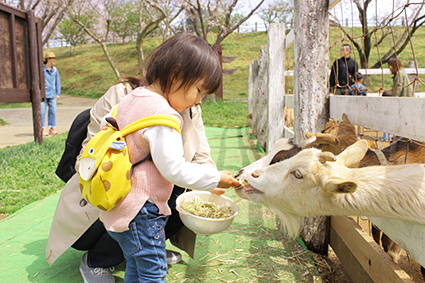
(21, 61)
(365, 261)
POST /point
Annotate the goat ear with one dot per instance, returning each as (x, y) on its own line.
(342, 188)
(323, 138)
(353, 154)
(336, 185)
(345, 119)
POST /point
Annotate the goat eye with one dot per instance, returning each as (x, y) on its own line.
(298, 174)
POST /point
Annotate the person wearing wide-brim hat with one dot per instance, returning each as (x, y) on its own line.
(53, 90)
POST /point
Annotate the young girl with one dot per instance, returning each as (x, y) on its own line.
(179, 72)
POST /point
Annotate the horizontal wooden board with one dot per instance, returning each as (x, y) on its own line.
(383, 71)
(228, 59)
(228, 72)
(374, 264)
(403, 116)
(408, 235)
(14, 95)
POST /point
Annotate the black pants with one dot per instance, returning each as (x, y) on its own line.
(105, 252)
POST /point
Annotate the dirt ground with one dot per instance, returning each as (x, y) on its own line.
(3, 216)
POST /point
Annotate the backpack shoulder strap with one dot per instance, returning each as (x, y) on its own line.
(154, 120)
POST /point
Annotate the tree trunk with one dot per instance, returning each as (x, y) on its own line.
(311, 99)
(260, 113)
(102, 44)
(140, 56)
(111, 62)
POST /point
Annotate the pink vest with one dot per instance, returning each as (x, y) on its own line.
(147, 182)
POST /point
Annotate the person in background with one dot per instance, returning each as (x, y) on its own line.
(52, 84)
(357, 88)
(342, 71)
(401, 85)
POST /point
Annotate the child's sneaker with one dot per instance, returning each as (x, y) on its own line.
(97, 274)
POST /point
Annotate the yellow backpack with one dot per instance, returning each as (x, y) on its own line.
(105, 168)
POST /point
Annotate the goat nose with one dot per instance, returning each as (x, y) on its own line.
(255, 174)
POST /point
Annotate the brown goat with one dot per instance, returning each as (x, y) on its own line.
(337, 136)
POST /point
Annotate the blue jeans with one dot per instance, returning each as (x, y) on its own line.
(144, 246)
(51, 116)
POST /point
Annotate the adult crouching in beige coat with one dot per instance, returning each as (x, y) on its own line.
(76, 223)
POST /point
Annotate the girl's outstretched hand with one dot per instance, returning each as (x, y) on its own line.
(227, 181)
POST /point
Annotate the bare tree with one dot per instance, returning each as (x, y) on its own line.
(216, 13)
(386, 28)
(278, 11)
(101, 11)
(50, 12)
(151, 13)
(172, 10)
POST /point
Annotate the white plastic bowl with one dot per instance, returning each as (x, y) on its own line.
(201, 225)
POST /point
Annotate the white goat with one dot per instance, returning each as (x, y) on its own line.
(309, 184)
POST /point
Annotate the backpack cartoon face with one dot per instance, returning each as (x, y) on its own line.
(97, 145)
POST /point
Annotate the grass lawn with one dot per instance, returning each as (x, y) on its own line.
(26, 173)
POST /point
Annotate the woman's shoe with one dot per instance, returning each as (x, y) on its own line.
(52, 132)
(44, 133)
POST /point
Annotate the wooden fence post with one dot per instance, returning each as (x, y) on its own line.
(259, 115)
(253, 90)
(35, 78)
(219, 93)
(311, 63)
(275, 83)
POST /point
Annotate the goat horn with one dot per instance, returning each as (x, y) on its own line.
(307, 142)
(326, 156)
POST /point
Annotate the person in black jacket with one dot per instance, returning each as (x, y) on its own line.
(342, 71)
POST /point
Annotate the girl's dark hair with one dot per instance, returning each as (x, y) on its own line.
(395, 63)
(187, 59)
